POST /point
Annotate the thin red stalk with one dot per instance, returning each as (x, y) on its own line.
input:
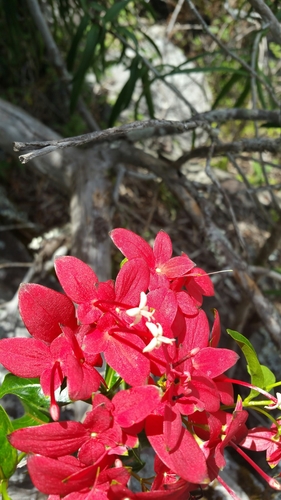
(54, 407)
(228, 489)
(251, 386)
(273, 483)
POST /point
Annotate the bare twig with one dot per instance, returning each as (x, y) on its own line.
(249, 145)
(136, 131)
(250, 190)
(268, 18)
(254, 103)
(269, 245)
(15, 264)
(262, 271)
(174, 16)
(224, 115)
(211, 175)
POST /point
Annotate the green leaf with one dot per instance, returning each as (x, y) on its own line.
(208, 69)
(113, 12)
(147, 93)
(8, 454)
(226, 88)
(27, 389)
(253, 365)
(125, 96)
(75, 42)
(122, 30)
(268, 376)
(86, 61)
(240, 100)
(152, 43)
(31, 418)
(261, 94)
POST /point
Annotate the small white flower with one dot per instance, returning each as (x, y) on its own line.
(157, 331)
(140, 311)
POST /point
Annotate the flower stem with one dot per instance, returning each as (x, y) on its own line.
(273, 483)
(228, 489)
(254, 387)
(3, 489)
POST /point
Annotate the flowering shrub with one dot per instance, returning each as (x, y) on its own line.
(164, 380)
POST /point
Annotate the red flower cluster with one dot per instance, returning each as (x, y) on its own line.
(151, 330)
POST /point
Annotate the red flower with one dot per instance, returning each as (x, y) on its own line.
(99, 435)
(162, 267)
(67, 476)
(55, 351)
(262, 438)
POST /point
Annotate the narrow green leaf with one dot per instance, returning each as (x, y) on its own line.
(244, 94)
(27, 389)
(8, 454)
(125, 96)
(147, 93)
(86, 61)
(152, 43)
(122, 30)
(226, 88)
(253, 364)
(75, 42)
(208, 69)
(114, 11)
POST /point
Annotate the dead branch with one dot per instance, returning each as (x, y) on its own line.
(268, 18)
(237, 147)
(137, 131)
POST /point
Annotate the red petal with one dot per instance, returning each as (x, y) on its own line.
(164, 301)
(235, 431)
(133, 406)
(124, 355)
(91, 452)
(201, 280)
(132, 279)
(258, 439)
(197, 332)
(82, 379)
(177, 267)
(186, 303)
(77, 279)
(172, 427)
(214, 361)
(162, 248)
(132, 245)
(54, 439)
(57, 477)
(25, 357)
(43, 311)
(225, 391)
(187, 460)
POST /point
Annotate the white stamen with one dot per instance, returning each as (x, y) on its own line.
(140, 311)
(157, 331)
